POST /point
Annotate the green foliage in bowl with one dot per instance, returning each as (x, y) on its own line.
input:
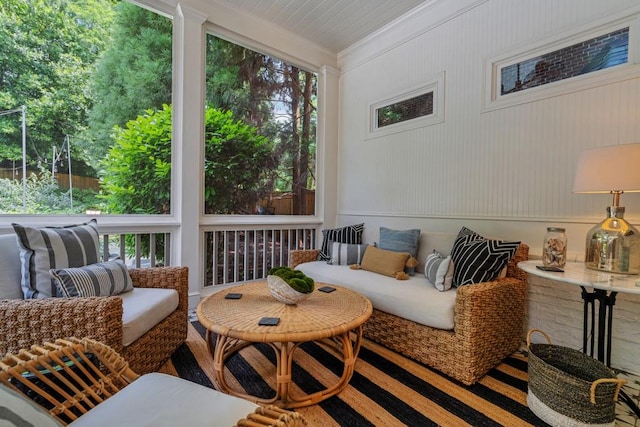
(294, 278)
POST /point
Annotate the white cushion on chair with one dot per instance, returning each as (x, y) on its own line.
(157, 400)
(144, 308)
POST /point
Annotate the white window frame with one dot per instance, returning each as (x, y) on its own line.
(494, 100)
(435, 84)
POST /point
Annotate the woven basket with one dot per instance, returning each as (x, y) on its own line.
(570, 388)
(283, 292)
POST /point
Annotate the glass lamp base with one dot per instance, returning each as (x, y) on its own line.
(613, 246)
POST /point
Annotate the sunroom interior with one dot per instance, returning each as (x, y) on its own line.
(497, 161)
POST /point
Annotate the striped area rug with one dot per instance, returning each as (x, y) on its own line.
(386, 390)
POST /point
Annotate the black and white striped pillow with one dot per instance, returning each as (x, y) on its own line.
(476, 259)
(101, 279)
(348, 234)
(42, 249)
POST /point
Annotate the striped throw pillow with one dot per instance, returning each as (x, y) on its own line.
(477, 259)
(43, 249)
(101, 279)
(346, 253)
(348, 234)
(439, 271)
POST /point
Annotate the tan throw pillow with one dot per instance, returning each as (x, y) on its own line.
(384, 262)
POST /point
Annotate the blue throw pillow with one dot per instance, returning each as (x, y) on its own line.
(400, 240)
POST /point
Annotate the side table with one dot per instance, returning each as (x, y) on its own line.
(596, 286)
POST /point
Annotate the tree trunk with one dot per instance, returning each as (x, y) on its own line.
(307, 108)
(294, 79)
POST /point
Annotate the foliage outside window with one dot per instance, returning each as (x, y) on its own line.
(588, 56)
(95, 77)
(274, 174)
(82, 69)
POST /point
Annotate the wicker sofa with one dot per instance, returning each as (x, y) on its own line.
(488, 319)
(24, 322)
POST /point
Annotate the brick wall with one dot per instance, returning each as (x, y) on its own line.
(557, 309)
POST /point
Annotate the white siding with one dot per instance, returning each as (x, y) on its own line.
(506, 172)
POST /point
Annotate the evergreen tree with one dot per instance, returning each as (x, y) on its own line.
(132, 76)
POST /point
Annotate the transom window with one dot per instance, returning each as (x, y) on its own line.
(588, 56)
(412, 108)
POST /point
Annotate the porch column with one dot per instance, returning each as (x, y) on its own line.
(327, 147)
(188, 134)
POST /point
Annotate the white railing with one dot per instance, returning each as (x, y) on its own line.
(238, 255)
(236, 250)
(140, 250)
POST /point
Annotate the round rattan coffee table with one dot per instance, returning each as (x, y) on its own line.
(334, 318)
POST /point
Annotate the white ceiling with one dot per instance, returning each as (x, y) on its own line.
(332, 24)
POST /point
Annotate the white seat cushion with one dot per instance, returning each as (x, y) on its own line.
(414, 299)
(143, 308)
(157, 400)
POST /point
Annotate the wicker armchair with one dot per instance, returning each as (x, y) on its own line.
(489, 324)
(25, 322)
(71, 378)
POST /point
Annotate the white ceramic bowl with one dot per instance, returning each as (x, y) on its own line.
(283, 292)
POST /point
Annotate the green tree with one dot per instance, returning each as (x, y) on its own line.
(277, 98)
(133, 74)
(237, 164)
(242, 81)
(136, 176)
(47, 52)
(137, 169)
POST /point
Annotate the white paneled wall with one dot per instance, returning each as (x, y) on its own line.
(505, 172)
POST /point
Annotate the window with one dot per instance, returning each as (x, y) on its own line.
(591, 56)
(412, 108)
(418, 107)
(588, 56)
(76, 106)
(260, 133)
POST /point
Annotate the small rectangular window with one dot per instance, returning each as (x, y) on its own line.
(588, 56)
(418, 107)
(412, 108)
(596, 54)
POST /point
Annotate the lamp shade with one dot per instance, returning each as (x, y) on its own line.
(608, 169)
